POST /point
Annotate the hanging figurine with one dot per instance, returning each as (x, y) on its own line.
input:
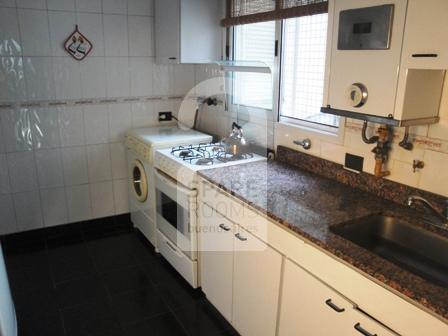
(77, 45)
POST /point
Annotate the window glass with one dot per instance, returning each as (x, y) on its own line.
(254, 42)
(303, 69)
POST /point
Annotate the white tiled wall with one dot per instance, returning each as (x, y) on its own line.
(66, 164)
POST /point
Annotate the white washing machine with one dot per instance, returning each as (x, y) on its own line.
(141, 144)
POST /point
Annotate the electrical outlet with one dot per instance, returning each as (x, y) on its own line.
(354, 163)
(165, 116)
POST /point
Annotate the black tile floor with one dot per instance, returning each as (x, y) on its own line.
(102, 278)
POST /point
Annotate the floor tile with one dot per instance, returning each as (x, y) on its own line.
(93, 319)
(64, 235)
(135, 306)
(70, 262)
(32, 258)
(112, 253)
(40, 325)
(80, 291)
(36, 302)
(162, 325)
(36, 277)
(126, 279)
(202, 319)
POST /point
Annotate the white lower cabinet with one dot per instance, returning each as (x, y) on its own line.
(216, 261)
(240, 274)
(256, 286)
(311, 308)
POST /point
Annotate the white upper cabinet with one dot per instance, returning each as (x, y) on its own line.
(387, 58)
(188, 31)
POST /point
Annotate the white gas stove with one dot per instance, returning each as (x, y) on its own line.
(182, 162)
(176, 203)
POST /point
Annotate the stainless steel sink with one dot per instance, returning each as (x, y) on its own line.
(417, 250)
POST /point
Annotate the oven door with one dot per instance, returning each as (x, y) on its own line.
(176, 213)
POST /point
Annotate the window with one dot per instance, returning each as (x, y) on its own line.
(302, 69)
(254, 42)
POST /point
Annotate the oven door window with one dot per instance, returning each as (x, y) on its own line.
(173, 215)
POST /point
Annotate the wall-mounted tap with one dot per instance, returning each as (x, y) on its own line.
(443, 216)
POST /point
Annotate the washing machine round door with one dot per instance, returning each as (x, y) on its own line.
(139, 181)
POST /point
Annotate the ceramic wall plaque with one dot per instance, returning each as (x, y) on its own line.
(77, 45)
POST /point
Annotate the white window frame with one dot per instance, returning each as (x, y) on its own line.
(302, 127)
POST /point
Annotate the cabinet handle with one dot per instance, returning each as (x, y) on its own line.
(225, 228)
(362, 330)
(334, 307)
(240, 237)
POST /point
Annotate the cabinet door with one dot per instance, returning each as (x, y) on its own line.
(167, 31)
(256, 285)
(216, 258)
(309, 307)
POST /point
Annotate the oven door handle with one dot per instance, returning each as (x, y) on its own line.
(173, 184)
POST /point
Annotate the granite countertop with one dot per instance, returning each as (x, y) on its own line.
(310, 204)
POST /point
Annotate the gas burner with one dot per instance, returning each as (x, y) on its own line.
(206, 154)
(204, 162)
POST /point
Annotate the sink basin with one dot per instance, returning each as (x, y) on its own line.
(417, 250)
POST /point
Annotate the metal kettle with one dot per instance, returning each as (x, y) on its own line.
(236, 144)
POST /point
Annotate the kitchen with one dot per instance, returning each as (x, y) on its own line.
(211, 167)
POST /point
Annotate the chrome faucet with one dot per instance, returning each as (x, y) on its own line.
(443, 216)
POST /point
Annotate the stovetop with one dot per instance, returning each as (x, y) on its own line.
(206, 154)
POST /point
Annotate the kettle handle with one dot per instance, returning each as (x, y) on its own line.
(236, 126)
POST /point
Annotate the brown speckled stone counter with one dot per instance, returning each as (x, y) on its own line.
(310, 204)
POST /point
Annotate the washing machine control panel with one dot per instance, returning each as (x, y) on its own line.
(138, 148)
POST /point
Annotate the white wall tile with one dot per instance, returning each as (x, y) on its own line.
(62, 25)
(98, 161)
(115, 35)
(114, 6)
(5, 187)
(12, 81)
(93, 6)
(117, 75)
(140, 7)
(54, 206)
(93, 77)
(16, 129)
(39, 4)
(2, 138)
(434, 177)
(102, 196)
(7, 3)
(10, 44)
(96, 124)
(22, 171)
(118, 161)
(143, 115)
(8, 222)
(183, 79)
(45, 127)
(91, 26)
(121, 196)
(34, 32)
(28, 210)
(71, 126)
(119, 121)
(66, 5)
(49, 168)
(67, 76)
(39, 79)
(78, 203)
(74, 160)
(141, 40)
(162, 79)
(141, 69)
